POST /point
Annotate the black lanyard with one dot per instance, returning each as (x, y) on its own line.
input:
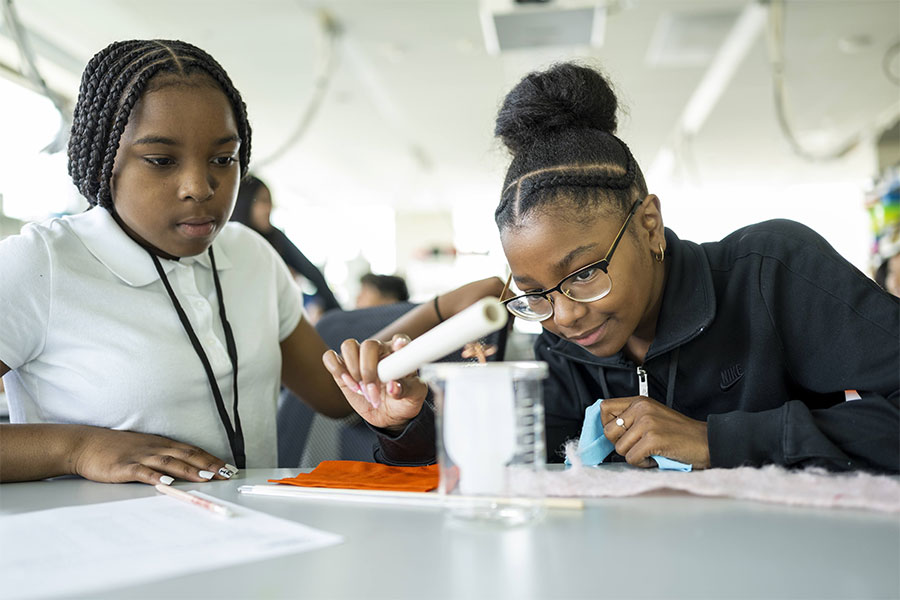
(235, 434)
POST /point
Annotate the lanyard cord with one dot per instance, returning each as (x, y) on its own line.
(235, 434)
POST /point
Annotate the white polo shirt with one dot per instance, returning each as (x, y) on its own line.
(92, 337)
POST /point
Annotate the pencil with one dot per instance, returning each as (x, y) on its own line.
(219, 509)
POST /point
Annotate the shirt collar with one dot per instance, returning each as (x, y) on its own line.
(109, 244)
(689, 300)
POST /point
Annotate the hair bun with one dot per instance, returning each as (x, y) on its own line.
(566, 96)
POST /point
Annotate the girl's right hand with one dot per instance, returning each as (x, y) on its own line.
(389, 405)
(112, 456)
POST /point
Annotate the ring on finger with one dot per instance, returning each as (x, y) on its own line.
(621, 423)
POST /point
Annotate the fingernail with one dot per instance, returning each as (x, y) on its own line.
(166, 480)
(234, 470)
(394, 388)
(206, 474)
(350, 383)
(373, 393)
(223, 472)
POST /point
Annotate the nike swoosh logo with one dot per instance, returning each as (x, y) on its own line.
(730, 376)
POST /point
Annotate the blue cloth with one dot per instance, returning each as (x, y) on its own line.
(593, 447)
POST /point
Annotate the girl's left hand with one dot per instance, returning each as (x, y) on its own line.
(651, 428)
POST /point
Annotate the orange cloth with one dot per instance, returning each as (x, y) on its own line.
(356, 475)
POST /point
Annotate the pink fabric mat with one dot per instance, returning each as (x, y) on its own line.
(809, 487)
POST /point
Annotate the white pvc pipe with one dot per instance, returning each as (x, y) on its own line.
(482, 318)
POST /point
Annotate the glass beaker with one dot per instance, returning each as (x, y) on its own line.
(490, 438)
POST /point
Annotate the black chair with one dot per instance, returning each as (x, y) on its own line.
(306, 438)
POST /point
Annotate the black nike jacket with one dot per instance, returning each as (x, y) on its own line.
(760, 335)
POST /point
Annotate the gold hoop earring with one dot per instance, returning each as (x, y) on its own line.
(662, 254)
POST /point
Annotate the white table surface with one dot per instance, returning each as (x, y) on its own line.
(657, 546)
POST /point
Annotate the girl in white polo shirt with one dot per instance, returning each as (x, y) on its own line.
(129, 332)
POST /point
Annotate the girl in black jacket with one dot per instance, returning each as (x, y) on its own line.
(765, 347)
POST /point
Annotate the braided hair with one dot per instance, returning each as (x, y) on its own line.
(560, 126)
(111, 85)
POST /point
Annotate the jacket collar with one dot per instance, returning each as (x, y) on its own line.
(127, 260)
(688, 306)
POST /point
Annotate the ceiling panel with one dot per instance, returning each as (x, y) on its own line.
(412, 95)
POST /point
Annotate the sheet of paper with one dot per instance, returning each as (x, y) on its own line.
(83, 549)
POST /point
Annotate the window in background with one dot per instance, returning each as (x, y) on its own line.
(834, 210)
(345, 242)
(34, 185)
(477, 240)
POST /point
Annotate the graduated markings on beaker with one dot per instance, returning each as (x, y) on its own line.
(529, 425)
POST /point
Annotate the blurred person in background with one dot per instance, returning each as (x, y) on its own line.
(377, 290)
(254, 208)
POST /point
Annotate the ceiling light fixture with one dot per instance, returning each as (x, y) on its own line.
(516, 25)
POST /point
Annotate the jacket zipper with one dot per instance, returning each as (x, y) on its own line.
(643, 389)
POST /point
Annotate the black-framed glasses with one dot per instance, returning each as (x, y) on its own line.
(587, 284)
